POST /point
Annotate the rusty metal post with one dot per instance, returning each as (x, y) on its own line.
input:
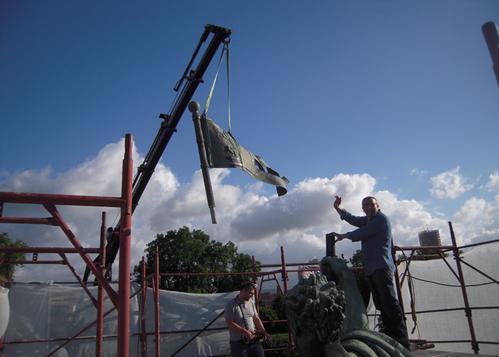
(284, 274)
(100, 290)
(125, 242)
(330, 245)
(203, 157)
(254, 278)
(467, 310)
(156, 303)
(143, 338)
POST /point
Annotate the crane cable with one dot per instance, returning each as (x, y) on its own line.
(225, 51)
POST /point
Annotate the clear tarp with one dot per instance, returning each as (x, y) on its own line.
(52, 313)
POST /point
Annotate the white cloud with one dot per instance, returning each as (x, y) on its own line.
(477, 220)
(493, 184)
(449, 184)
(418, 172)
(257, 223)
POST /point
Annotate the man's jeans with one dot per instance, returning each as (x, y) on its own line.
(241, 349)
(381, 284)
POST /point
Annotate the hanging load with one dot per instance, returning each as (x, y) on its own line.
(219, 149)
(223, 151)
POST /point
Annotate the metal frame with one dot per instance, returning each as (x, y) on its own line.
(441, 250)
(154, 281)
(50, 202)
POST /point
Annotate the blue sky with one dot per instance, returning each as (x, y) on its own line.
(390, 98)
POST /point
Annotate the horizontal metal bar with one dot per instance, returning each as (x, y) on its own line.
(257, 273)
(28, 220)
(426, 247)
(48, 250)
(287, 264)
(477, 244)
(55, 199)
(23, 262)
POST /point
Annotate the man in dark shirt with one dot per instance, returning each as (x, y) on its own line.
(375, 234)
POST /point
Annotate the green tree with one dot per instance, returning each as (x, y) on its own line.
(186, 251)
(356, 259)
(7, 270)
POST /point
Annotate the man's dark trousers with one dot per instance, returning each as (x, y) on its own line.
(242, 349)
(381, 284)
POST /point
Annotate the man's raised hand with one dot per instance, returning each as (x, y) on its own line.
(337, 203)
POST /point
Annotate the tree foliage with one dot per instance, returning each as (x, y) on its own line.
(356, 259)
(186, 251)
(7, 270)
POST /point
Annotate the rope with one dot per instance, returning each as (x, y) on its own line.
(452, 285)
(412, 295)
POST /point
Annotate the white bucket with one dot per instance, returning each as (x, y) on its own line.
(4, 310)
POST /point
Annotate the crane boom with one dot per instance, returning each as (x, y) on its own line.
(190, 80)
(189, 83)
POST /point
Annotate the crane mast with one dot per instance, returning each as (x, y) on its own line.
(188, 84)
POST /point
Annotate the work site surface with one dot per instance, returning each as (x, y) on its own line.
(431, 353)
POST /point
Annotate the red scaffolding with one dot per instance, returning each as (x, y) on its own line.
(120, 298)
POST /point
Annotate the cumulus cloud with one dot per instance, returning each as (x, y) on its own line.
(449, 184)
(493, 184)
(477, 219)
(259, 224)
(420, 173)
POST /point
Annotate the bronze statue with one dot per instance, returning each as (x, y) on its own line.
(328, 317)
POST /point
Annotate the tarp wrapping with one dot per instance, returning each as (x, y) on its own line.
(55, 312)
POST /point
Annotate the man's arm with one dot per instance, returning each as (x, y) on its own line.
(260, 328)
(235, 327)
(376, 226)
(346, 216)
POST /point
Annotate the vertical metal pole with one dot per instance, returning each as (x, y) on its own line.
(491, 35)
(156, 302)
(196, 118)
(100, 290)
(330, 246)
(125, 239)
(143, 339)
(467, 310)
(398, 286)
(285, 285)
(254, 278)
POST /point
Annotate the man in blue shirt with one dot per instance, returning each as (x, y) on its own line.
(375, 234)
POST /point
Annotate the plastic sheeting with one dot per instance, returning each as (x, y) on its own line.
(453, 325)
(41, 311)
(54, 312)
(4, 309)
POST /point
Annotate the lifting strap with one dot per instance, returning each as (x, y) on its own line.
(225, 51)
(223, 150)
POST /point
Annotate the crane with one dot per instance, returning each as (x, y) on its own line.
(186, 87)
